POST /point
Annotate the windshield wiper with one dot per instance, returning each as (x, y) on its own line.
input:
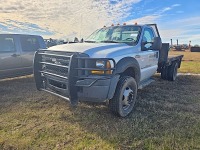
(90, 41)
(109, 41)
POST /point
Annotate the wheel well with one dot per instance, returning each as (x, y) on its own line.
(129, 72)
(128, 66)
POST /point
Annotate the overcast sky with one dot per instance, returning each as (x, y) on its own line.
(176, 19)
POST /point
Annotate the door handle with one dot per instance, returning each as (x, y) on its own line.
(137, 56)
(15, 55)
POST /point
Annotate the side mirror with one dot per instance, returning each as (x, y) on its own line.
(146, 45)
(157, 43)
(144, 42)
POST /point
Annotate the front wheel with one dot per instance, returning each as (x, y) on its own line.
(125, 96)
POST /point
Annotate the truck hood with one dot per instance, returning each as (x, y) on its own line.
(95, 50)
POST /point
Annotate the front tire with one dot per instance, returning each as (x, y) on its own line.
(124, 98)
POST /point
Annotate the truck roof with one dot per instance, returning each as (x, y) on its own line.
(121, 25)
(153, 26)
(18, 34)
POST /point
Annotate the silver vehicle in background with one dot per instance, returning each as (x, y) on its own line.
(17, 52)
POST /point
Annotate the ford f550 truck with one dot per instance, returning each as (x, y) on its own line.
(109, 66)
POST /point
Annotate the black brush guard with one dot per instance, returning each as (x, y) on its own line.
(57, 72)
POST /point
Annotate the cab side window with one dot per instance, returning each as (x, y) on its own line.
(29, 43)
(147, 39)
(7, 44)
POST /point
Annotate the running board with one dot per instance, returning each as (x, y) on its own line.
(145, 83)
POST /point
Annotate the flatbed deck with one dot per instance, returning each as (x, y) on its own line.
(168, 61)
(172, 58)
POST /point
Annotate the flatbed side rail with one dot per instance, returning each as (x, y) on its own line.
(174, 58)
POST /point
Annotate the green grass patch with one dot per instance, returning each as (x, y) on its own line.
(166, 116)
(190, 67)
(188, 56)
(190, 63)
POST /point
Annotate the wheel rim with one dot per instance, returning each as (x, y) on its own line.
(127, 98)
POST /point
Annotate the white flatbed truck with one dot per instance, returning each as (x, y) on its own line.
(109, 66)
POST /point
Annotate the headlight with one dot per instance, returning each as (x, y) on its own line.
(100, 64)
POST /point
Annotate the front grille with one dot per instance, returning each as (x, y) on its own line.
(56, 59)
(53, 68)
(55, 63)
(57, 84)
(58, 72)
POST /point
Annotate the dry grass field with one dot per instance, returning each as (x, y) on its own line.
(190, 63)
(166, 116)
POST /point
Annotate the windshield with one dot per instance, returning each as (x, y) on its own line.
(118, 34)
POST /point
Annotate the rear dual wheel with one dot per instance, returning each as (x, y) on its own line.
(170, 72)
(123, 102)
(164, 73)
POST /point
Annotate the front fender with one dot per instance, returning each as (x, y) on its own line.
(121, 67)
(128, 62)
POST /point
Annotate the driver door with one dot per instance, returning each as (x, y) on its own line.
(149, 56)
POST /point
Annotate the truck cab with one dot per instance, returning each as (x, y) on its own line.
(17, 52)
(109, 66)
